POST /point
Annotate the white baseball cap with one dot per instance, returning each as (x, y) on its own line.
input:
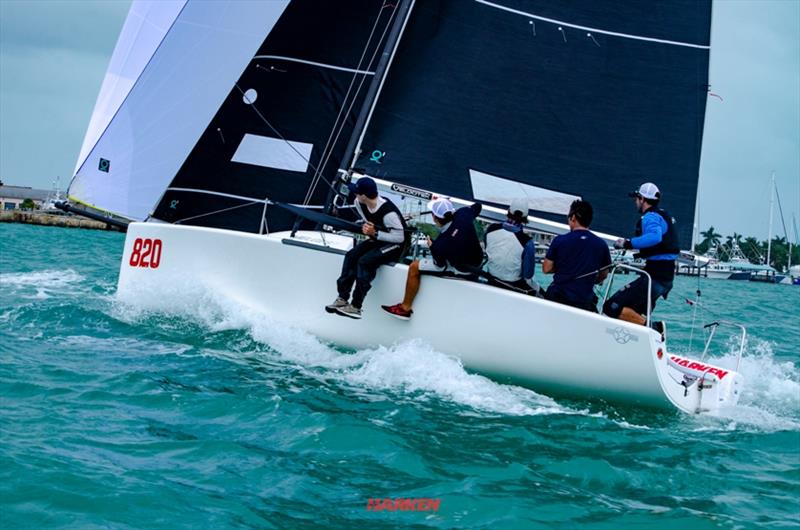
(648, 190)
(440, 207)
(518, 205)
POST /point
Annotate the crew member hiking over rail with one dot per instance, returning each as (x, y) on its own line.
(388, 238)
(657, 242)
(455, 252)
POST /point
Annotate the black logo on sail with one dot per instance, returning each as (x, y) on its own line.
(413, 192)
(105, 165)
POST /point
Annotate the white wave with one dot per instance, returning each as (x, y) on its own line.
(44, 283)
(410, 367)
(770, 398)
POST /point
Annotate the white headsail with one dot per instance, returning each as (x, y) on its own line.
(174, 64)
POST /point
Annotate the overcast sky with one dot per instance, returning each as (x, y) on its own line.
(54, 54)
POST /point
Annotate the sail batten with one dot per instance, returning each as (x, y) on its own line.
(313, 63)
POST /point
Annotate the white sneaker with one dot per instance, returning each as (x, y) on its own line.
(349, 310)
(339, 302)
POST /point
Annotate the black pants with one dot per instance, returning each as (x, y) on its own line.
(360, 266)
(555, 296)
(634, 295)
(519, 286)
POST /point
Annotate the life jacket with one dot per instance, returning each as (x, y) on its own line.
(504, 252)
(377, 216)
(669, 240)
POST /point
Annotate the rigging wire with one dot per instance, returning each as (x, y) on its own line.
(780, 209)
(179, 221)
(695, 305)
(276, 131)
(337, 127)
(318, 170)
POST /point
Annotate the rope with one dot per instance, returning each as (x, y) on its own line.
(598, 271)
(696, 305)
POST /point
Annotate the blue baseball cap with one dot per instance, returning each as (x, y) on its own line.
(364, 186)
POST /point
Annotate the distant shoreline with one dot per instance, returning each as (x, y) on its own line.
(47, 219)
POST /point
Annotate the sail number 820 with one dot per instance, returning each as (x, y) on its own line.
(146, 253)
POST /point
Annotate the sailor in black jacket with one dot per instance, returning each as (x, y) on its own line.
(387, 239)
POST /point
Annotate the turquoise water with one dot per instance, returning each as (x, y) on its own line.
(203, 416)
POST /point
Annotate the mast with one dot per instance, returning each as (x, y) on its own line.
(771, 206)
(393, 40)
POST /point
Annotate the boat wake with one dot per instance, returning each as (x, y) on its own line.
(409, 369)
(413, 369)
(770, 399)
(41, 284)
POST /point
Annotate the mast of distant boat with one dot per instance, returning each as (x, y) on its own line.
(794, 225)
(771, 206)
(783, 223)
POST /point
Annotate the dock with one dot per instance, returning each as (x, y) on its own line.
(52, 219)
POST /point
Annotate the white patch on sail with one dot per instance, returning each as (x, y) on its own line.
(273, 152)
(486, 187)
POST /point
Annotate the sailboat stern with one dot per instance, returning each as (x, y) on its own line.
(697, 387)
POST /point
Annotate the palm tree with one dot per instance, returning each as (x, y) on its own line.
(711, 238)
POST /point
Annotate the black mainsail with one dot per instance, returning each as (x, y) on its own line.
(580, 98)
(588, 98)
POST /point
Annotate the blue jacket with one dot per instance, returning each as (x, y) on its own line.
(653, 229)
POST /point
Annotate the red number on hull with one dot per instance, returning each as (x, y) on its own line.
(146, 253)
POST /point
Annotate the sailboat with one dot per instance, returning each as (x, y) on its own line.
(225, 132)
(736, 266)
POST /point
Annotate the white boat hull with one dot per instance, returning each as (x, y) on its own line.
(718, 275)
(506, 335)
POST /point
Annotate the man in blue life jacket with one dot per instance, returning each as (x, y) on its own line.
(510, 252)
(455, 252)
(578, 259)
(657, 241)
(387, 239)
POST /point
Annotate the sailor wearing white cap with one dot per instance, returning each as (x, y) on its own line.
(455, 252)
(656, 240)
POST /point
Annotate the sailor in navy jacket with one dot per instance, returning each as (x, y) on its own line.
(455, 252)
(458, 244)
